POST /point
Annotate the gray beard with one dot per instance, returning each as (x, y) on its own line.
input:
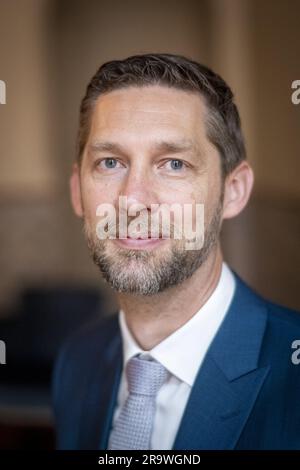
(143, 272)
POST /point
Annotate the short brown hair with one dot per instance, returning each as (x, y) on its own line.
(223, 124)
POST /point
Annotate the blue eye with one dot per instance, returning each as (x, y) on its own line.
(176, 164)
(110, 163)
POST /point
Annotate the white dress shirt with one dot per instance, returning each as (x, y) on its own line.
(181, 353)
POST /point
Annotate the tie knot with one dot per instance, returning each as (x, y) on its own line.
(145, 377)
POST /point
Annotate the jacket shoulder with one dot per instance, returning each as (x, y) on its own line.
(278, 314)
(284, 315)
(85, 344)
(93, 334)
(83, 351)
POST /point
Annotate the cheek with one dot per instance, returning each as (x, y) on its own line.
(187, 196)
(94, 194)
(184, 193)
(207, 194)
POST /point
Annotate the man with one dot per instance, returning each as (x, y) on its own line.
(194, 359)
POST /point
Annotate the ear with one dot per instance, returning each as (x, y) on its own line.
(238, 187)
(75, 191)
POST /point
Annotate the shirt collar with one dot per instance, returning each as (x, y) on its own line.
(183, 352)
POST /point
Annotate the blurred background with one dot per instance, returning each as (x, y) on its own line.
(49, 49)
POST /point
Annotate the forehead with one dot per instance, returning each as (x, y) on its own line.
(143, 112)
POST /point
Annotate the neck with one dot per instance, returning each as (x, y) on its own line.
(152, 319)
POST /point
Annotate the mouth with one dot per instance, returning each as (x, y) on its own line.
(139, 243)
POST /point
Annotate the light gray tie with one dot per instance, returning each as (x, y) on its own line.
(134, 424)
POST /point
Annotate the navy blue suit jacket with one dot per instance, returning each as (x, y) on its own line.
(246, 394)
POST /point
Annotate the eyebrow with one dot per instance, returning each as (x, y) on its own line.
(163, 146)
(174, 147)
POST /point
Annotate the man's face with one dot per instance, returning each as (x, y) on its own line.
(149, 144)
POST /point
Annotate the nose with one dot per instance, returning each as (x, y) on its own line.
(138, 188)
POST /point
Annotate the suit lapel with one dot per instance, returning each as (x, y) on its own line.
(229, 379)
(101, 398)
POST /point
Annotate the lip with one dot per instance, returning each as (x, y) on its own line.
(139, 243)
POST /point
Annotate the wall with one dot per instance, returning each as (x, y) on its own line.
(48, 51)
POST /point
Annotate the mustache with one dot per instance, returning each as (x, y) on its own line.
(142, 227)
